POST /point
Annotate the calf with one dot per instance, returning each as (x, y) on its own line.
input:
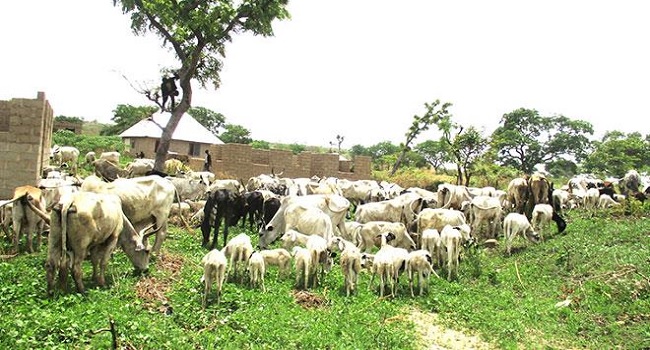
(221, 205)
(516, 224)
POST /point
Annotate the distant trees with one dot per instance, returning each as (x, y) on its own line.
(617, 152)
(125, 116)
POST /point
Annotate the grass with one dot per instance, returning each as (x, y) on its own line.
(601, 265)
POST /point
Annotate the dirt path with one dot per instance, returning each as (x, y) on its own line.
(434, 336)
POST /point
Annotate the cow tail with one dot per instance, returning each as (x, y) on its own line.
(64, 230)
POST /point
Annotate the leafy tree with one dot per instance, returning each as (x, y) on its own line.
(197, 32)
(420, 124)
(562, 168)
(525, 139)
(125, 116)
(617, 153)
(212, 120)
(339, 141)
(467, 147)
(236, 134)
(382, 149)
(360, 150)
(66, 119)
(297, 148)
(436, 153)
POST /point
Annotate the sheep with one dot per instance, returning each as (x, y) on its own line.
(605, 201)
(214, 270)
(256, 270)
(237, 250)
(302, 263)
(431, 243)
(279, 257)
(292, 238)
(517, 224)
(541, 217)
(451, 240)
(388, 255)
(317, 245)
(350, 264)
(419, 263)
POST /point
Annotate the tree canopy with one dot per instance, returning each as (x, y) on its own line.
(524, 139)
(197, 33)
(125, 116)
(618, 152)
(210, 119)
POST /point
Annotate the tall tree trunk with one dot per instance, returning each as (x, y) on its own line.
(398, 162)
(168, 130)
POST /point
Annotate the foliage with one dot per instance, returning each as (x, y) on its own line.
(125, 116)
(410, 177)
(440, 117)
(436, 153)
(466, 148)
(66, 119)
(562, 168)
(210, 119)
(525, 139)
(617, 153)
(236, 134)
(87, 143)
(259, 144)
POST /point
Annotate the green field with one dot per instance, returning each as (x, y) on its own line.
(601, 264)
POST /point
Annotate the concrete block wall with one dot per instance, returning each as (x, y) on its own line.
(25, 145)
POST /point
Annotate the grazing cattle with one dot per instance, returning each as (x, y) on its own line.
(438, 218)
(485, 210)
(6, 207)
(334, 206)
(25, 220)
(307, 220)
(188, 188)
(361, 191)
(228, 184)
(139, 167)
(89, 224)
(369, 232)
(403, 208)
(53, 189)
(108, 171)
(630, 183)
(253, 209)
(66, 154)
(518, 193)
(539, 188)
(144, 199)
(516, 224)
(452, 196)
(221, 205)
(270, 208)
(174, 166)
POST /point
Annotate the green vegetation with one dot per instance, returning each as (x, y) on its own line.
(601, 265)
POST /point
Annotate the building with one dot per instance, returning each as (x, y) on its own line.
(25, 141)
(189, 138)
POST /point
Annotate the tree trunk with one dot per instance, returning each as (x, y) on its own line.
(398, 162)
(168, 130)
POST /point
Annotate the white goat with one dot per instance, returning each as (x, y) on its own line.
(431, 243)
(302, 263)
(256, 270)
(451, 239)
(420, 264)
(350, 264)
(237, 250)
(214, 270)
(605, 201)
(517, 224)
(279, 257)
(541, 218)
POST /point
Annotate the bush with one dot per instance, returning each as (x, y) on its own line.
(423, 178)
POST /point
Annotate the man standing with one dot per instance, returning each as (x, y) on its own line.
(208, 161)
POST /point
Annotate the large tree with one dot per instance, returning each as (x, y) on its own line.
(466, 149)
(236, 134)
(435, 114)
(125, 116)
(524, 139)
(436, 153)
(617, 152)
(197, 32)
(212, 120)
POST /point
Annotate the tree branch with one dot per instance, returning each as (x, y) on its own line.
(165, 33)
(151, 94)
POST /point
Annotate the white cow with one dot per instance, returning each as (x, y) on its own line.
(145, 200)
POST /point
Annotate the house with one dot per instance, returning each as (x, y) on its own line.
(190, 137)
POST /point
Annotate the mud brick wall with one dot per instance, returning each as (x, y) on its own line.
(25, 141)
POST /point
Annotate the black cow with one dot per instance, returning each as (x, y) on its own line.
(271, 207)
(225, 205)
(253, 208)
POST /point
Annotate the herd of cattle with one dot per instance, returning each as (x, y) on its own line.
(380, 226)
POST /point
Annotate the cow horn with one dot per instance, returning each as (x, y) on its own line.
(146, 234)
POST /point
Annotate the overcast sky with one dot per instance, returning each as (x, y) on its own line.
(356, 68)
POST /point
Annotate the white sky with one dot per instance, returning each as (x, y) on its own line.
(358, 68)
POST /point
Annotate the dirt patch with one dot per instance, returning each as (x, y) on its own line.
(434, 336)
(153, 290)
(309, 300)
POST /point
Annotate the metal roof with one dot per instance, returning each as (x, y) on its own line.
(188, 129)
